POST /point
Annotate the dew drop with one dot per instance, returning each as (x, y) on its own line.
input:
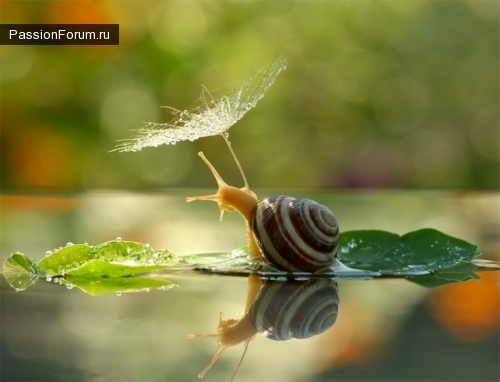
(48, 253)
(69, 243)
(118, 293)
(48, 278)
(118, 238)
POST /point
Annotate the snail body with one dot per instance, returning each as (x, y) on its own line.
(291, 234)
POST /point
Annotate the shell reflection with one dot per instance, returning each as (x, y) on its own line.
(279, 310)
(295, 309)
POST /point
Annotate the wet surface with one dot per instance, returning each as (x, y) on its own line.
(382, 329)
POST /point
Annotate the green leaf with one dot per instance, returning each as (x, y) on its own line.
(21, 271)
(65, 259)
(114, 258)
(213, 258)
(418, 251)
(100, 268)
(19, 263)
(96, 270)
(118, 285)
(459, 273)
(415, 253)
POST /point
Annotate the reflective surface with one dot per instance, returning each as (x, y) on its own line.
(386, 329)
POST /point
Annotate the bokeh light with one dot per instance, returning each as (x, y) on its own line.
(384, 94)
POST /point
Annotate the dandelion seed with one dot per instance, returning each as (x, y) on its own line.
(210, 115)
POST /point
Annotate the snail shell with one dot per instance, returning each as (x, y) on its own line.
(295, 234)
(295, 309)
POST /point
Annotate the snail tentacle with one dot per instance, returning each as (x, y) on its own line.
(232, 199)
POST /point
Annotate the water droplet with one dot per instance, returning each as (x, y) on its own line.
(69, 243)
(118, 238)
(48, 278)
(69, 286)
(118, 293)
(48, 253)
(414, 266)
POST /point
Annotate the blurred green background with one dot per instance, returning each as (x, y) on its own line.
(377, 94)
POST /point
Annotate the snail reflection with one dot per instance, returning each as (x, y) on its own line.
(279, 310)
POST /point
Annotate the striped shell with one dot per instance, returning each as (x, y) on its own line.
(295, 309)
(295, 234)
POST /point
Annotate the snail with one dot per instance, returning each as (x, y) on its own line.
(291, 234)
(279, 310)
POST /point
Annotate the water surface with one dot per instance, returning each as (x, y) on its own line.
(386, 329)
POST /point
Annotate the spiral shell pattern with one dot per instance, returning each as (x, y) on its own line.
(295, 234)
(295, 309)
